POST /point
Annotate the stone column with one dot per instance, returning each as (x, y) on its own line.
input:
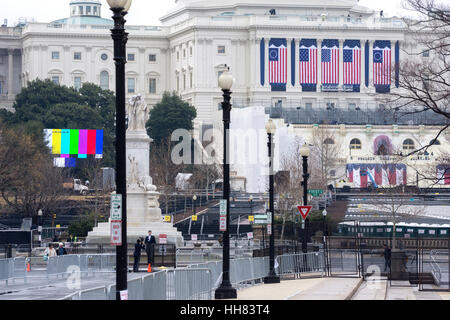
(341, 62)
(297, 61)
(319, 64)
(266, 63)
(289, 64)
(370, 63)
(363, 64)
(10, 74)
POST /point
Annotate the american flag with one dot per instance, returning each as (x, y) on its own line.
(382, 63)
(308, 63)
(278, 64)
(330, 62)
(352, 63)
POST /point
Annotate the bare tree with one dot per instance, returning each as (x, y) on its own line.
(424, 76)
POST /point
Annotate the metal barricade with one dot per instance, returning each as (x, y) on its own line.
(13, 269)
(155, 286)
(189, 284)
(304, 263)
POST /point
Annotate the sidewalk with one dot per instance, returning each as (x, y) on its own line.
(303, 289)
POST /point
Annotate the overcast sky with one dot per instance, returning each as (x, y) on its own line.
(142, 12)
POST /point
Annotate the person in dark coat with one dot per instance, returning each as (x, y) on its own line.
(150, 242)
(138, 246)
(387, 257)
(61, 251)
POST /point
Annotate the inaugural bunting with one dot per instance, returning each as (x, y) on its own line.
(352, 64)
(330, 62)
(382, 66)
(278, 56)
(379, 175)
(308, 64)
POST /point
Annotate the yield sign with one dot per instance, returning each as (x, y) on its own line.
(304, 211)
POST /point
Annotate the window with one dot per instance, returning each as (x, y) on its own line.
(77, 83)
(408, 144)
(352, 106)
(426, 54)
(131, 57)
(184, 53)
(131, 85)
(355, 144)
(55, 79)
(88, 9)
(55, 55)
(77, 56)
(435, 142)
(178, 55)
(221, 49)
(80, 9)
(104, 57)
(1, 87)
(328, 141)
(190, 51)
(152, 85)
(95, 11)
(152, 57)
(104, 80)
(308, 106)
(178, 83)
(191, 80)
(184, 81)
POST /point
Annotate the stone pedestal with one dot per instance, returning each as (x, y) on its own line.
(143, 212)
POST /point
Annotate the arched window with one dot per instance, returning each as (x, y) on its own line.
(104, 80)
(328, 141)
(355, 144)
(408, 144)
(435, 142)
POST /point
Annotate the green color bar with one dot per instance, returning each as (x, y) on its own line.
(74, 141)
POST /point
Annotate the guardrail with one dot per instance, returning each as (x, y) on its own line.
(296, 264)
(12, 269)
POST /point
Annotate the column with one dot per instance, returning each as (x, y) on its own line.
(289, 63)
(363, 64)
(297, 61)
(319, 64)
(370, 63)
(266, 63)
(341, 62)
(10, 74)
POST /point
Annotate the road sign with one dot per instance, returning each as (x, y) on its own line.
(261, 217)
(223, 207)
(116, 233)
(167, 218)
(193, 237)
(163, 238)
(304, 211)
(251, 218)
(315, 192)
(223, 223)
(250, 235)
(116, 207)
(194, 217)
(269, 229)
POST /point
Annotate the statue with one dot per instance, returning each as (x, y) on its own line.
(134, 174)
(138, 113)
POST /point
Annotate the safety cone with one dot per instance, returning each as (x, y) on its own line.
(28, 267)
(149, 269)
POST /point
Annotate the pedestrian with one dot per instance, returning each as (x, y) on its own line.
(49, 252)
(70, 239)
(150, 242)
(55, 238)
(387, 257)
(61, 251)
(137, 254)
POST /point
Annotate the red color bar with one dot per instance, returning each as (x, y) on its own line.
(91, 141)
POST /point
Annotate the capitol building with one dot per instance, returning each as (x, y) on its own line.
(312, 68)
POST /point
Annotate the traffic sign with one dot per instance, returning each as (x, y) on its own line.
(269, 229)
(163, 238)
(116, 233)
(251, 218)
(304, 211)
(167, 218)
(250, 235)
(315, 192)
(193, 237)
(223, 223)
(116, 206)
(194, 217)
(223, 207)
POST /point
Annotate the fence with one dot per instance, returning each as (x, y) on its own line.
(12, 269)
(298, 264)
(61, 266)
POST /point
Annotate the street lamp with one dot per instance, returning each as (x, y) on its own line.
(225, 290)
(120, 37)
(272, 277)
(305, 152)
(325, 234)
(40, 224)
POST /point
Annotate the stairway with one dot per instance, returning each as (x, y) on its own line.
(426, 278)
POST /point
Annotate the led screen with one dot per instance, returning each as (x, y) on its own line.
(75, 143)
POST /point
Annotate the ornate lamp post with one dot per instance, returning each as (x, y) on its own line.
(272, 277)
(120, 38)
(305, 152)
(194, 200)
(225, 290)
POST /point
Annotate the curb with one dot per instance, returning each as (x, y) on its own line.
(355, 289)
